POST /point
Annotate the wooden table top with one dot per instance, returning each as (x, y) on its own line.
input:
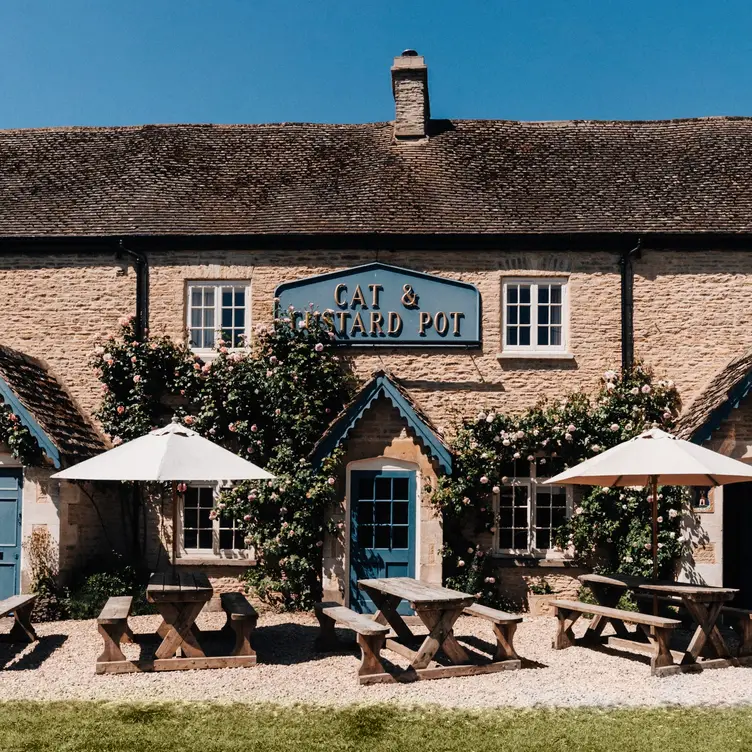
(182, 586)
(417, 592)
(662, 587)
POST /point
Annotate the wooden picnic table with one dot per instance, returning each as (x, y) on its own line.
(438, 608)
(703, 603)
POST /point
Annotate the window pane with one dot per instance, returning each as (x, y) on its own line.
(209, 317)
(524, 314)
(191, 518)
(205, 539)
(365, 512)
(365, 488)
(511, 314)
(399, 537)
(226, 539)
(208, 296)
(399, 512)
(365, 536)
(239, 297)
(191, 539)
(226, 298)
(203, 518)
(556, 293)
(196, 296)
(383, 488)
(511, 335)
(383, 513)
(400, 488)
(555, 335)
(542, 515)
(239, 318)
(382, 537)
(543, 293)
(196, 339)
(555, 314)
(543, 539)
(542, 335)
(505, 539)
(227, 317)
(238, 340)
(524, 335)
(512, 294)
(524, 293)
(520, 539)
(209, 337)
(542, 314)
(196, 317)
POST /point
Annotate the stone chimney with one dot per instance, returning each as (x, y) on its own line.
(410, 87)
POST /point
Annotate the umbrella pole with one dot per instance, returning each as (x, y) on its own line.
(654, 490)
(174, 526)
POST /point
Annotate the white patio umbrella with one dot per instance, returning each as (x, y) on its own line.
(173, 453)
(656, 458)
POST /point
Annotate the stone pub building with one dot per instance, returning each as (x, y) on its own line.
(465, 264)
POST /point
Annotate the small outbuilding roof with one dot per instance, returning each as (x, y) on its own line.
(383, 385)
(728, 388)
(475, 177)
(46, 409)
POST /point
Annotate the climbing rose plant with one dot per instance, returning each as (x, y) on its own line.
(17, 437)
(610, 529)
(269, 402)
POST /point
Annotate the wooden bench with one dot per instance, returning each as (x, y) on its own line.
(241, 620)
(504, 627)
(112, 624)
(21, 607)
(741, 622)
(657, 629)
(370, 635)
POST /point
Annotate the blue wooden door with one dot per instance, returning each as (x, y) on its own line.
(382, 530)
(10, 532)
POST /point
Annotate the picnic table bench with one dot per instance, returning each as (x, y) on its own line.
(21, 607)
(179, 599)
(703, 603)
(657, 627)
(438, 608)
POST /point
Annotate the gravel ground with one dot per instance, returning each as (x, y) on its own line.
(61, 667)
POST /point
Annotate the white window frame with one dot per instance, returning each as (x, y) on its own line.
(205, 553)
(533, 348)
(532, 481)
(217, 285)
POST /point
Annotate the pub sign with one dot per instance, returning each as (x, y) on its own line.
(378, 304)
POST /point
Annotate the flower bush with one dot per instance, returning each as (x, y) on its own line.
(270, 403)
(22, 444)
(610, 529)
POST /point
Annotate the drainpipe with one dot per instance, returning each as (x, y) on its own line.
(627, 304)
(141, 264)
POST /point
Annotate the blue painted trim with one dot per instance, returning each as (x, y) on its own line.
(27, 419)
(382, 385)
(735, 397)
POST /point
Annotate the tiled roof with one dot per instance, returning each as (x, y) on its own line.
(382, 385)
(471, 176)
(27, 383)
(714, 404)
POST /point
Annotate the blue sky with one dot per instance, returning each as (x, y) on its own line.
(101, 62)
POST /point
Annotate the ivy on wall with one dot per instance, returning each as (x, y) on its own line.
(270, 403)
(610, 529)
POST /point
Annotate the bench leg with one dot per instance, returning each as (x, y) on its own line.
(112, 635)
(505, 642)
(744, 631)
(371, 646)
(243, 629)
(662, 655)
(22, 631)
(327, 639)
(565, 636)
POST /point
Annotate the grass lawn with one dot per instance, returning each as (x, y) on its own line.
(186, 727)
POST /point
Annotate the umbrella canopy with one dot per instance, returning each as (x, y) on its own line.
(172, 453)
(656, 457)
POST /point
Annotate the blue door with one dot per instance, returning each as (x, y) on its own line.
(10, 532)
(382, 530)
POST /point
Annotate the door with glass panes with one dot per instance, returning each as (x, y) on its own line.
(382, 530)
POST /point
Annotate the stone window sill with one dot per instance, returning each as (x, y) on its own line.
(535, 356)
(531, 560)
(212, 561)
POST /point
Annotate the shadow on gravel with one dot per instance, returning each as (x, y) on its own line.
(38, 653)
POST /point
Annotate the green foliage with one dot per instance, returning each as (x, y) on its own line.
(269, 403)
(611, 528)
(91, 591)
(17, 437)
